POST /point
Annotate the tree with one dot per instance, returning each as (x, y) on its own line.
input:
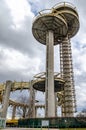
(84, 110)
(23, 106)
(82, 113)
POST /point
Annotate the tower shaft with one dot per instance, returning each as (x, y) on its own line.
(50, 97)
(31, 111)
(67, 73)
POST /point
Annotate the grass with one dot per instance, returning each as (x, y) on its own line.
(60, 129)
(73, 129)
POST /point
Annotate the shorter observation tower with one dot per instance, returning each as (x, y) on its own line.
(52, 27)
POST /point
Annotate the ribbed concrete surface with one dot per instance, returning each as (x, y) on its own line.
(18, 129)
(28, 129)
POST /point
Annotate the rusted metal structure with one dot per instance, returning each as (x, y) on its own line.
(31, 106)
(70, 14)
(51, 27)
(55, 26)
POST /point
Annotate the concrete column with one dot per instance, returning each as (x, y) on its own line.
(6, 98)
(32, 102)
(49, 88)
(56, 105)
(24, 111)
(14, 112)
(36, 112)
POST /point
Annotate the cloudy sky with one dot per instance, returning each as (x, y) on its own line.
(21, 56)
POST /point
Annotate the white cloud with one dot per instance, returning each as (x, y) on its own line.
(81, 95)
(12, 60)
(19, 10)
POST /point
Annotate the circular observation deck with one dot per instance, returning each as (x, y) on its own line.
(69, 13)
(39, 82)
(45, 21)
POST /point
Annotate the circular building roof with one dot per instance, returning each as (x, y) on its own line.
(48, 21)
(69, 13)
(39, 82)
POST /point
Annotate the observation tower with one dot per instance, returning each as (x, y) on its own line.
(55, 27)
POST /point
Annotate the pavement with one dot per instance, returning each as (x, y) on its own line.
(28, 129)
(17, 129)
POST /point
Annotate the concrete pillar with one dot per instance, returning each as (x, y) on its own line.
(6, 98)
(24, 111)
(32, 102)
(14, 112)
(49, 88)
(36, 112)
(56, 105)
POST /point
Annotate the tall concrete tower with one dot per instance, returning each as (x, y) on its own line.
(52, 27)
(69, 12)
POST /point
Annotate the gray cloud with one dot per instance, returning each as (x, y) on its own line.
(19, 39)
(30, 55)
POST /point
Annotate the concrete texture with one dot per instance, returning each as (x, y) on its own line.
(49, 90)
(6, 98)
(28, 129)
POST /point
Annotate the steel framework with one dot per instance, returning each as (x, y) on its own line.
(58, 26)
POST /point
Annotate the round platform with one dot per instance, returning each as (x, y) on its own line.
(39, 82)
(47, 21)
(69, 13)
